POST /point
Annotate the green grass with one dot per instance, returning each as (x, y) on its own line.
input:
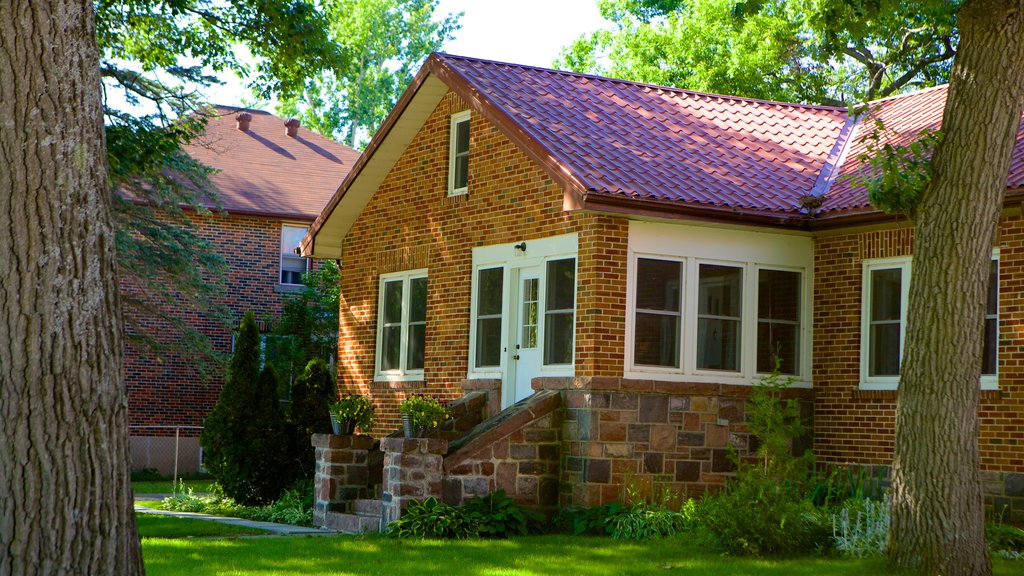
(157, 526)
(533, 556)
(167, 486)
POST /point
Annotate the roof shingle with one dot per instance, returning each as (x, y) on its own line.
(263, 171)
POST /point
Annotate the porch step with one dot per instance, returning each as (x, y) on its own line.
(369, 508)
(365, 517)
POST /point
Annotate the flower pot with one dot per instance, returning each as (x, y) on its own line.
(348, 427)
(408, 429)
(335, 425)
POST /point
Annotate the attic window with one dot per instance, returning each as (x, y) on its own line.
(458, 155)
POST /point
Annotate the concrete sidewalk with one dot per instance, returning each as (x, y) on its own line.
(270, 527)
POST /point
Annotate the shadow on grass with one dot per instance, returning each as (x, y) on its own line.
(534, 556)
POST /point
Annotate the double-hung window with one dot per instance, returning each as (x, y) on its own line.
(293, 266)
(402, 324)
(458, 155)
(884, 320)
(724, 299)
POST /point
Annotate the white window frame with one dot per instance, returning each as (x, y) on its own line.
(402, 373)
(283, 254)
(456, 119)
(905, 264)
(750, 251)
(901, 263)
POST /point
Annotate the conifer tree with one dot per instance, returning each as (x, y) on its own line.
(243, 440)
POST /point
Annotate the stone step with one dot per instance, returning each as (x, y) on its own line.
(364, 507)
(352, 523)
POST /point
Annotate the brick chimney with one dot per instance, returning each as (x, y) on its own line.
(243, 120)
(292, 125)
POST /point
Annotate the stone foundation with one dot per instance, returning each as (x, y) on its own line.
(520, 454)
(342, 475)
(412, 472)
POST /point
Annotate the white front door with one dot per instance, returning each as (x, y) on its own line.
(524, 357)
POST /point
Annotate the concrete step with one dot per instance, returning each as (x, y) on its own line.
(365, 507)
(352, 523)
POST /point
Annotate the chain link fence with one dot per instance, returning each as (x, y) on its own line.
(171, 450)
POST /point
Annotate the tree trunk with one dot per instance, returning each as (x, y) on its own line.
(938, 515)
(66, 504)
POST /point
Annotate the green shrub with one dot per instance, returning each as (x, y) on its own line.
(861, 528)
(593, 521)
(312, 394)
(244, 438)
(295, 506)
(757, 515)
(434, 519)
(1004, 537)
(498, 516)
(645, 517)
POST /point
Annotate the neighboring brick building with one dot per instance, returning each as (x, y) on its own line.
(645, 251)
(272, 181)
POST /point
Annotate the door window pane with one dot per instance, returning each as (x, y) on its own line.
(488, 323)
(719, 294)
(778, 320)
(656, 329)
(885, 324)
(528, 314)
(560, 311)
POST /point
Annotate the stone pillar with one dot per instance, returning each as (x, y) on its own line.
(413, 470)
(341, 473)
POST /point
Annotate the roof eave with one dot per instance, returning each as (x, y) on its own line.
(308, 244)
(630, 206)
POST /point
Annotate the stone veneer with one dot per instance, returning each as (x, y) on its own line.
(518, 452)
(412, 472)
(342, 475)
(619, 432)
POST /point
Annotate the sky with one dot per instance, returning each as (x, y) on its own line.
(530, 32)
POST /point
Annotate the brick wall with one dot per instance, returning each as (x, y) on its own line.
(410, 223)
(168, 390)
(853, 425)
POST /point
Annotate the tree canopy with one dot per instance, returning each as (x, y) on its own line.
(813, 51)
(155, 58)
(385, 41)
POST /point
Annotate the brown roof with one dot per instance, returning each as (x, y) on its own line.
(264, 171)
(904, 117)
(649, 143)
(635, 148)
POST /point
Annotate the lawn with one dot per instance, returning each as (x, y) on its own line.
(158, 526)
(167, 486)
(533, 556)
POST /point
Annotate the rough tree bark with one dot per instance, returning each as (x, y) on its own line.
(938, 516)
(66, 498)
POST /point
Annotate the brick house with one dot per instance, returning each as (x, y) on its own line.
(273, 179)
(640, 253)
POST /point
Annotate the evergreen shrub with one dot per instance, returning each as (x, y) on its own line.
(244, 437)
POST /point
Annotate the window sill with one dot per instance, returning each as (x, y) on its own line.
(892, 394)
(289, 288)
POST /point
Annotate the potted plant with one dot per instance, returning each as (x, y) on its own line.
(420, 414)
(351, 411)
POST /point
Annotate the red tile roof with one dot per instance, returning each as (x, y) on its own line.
(264, 171)
(631, 140)
(904, 117)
